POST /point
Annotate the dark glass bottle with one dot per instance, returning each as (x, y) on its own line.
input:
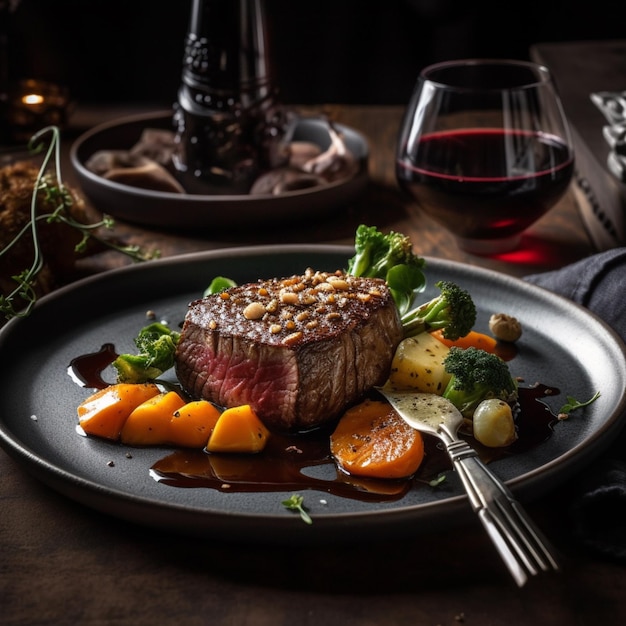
(229, 126)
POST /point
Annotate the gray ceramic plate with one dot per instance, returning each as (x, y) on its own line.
(562, 346)
(184, 211)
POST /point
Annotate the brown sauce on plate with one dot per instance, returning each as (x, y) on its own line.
(295, 462)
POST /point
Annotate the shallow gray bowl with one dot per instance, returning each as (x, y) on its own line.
(185, 211)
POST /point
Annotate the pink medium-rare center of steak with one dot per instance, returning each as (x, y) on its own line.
(230, 371)
(299, 350)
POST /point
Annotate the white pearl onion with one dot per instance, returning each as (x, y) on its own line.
(493, 423)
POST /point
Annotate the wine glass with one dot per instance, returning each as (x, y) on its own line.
(485, 149)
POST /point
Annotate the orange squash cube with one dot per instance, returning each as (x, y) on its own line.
(149, 423)
(238, 429)
(192, 424)
(105, 412)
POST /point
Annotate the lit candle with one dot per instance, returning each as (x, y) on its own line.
(35, 104)
(33, 98)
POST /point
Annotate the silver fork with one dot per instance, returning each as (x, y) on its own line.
(523, 548)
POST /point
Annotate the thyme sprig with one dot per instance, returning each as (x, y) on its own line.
(20, 301)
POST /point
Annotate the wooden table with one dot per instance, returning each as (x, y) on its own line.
(62, 563)
(557, 239)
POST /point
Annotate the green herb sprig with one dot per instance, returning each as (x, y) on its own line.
(438, 480)
(20, 301)
(296, 503)
(573, 404)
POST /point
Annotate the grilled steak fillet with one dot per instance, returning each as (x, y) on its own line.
(299, 350)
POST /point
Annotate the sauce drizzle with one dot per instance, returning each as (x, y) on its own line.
(297, 462)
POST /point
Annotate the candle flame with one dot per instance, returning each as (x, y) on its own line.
(32, 98)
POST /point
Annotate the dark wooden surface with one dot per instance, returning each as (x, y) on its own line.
(62, 563)
(557, 239)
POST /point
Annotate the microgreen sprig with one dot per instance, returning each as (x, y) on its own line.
(20, 301)
(438, 480)
(296, 503)
(572, 404)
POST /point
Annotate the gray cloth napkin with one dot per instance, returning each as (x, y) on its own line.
(597, 283)
(598, 505)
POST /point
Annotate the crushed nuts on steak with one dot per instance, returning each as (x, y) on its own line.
(299, 350)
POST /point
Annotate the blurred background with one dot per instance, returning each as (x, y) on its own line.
(342, 51)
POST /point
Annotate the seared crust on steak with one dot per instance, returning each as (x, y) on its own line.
(299, 350)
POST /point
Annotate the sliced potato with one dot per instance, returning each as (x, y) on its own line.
(418, 364)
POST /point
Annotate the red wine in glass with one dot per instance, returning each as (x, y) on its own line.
(485, 181)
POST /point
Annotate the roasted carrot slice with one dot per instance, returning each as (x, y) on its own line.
(104, 413)
(238, 429)
(473, 339)
(192, 424)
(149, 423)
(371, 439)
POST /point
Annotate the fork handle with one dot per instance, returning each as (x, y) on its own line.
(523, 548)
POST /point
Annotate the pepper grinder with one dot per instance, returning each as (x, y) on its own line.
(229, 125)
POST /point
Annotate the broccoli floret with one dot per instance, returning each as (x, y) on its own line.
(452, 311)
(376, 253)
(390, 257)
(477, 375)
(369, 244)
(157, 345)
